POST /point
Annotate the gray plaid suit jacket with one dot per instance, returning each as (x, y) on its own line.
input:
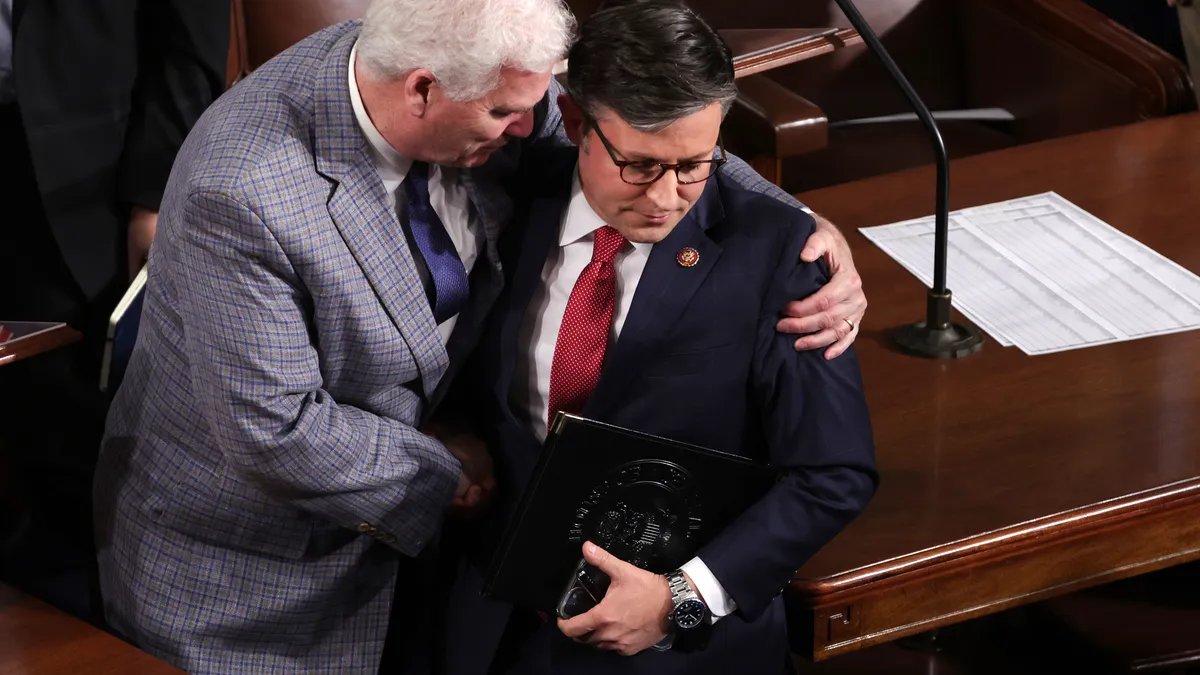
(261, 488)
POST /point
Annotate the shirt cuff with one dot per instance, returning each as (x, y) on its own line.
(718, 601)
(807, 210)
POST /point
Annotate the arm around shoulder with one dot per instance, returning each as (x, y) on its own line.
(817, 429)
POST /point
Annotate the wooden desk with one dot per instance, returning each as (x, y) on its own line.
(1006, 478)
(59, 336)
(36, 639)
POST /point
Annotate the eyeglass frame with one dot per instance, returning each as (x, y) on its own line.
(716, 162)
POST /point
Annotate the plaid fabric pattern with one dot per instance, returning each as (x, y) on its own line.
(261, 485)
(737, 170)
(261, 481)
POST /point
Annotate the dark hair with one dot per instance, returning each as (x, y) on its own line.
(652, 62)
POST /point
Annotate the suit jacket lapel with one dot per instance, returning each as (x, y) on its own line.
(664, 291)
(363, 213)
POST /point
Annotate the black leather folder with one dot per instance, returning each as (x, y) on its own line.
(648, 500)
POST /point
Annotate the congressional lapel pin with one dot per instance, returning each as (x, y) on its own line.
(688, 257)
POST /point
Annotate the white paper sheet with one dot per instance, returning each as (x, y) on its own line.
(1043, 274)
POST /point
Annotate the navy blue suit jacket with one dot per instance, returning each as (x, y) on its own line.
(698, 360)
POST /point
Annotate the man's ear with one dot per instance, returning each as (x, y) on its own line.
(419, 86)
(573, 119)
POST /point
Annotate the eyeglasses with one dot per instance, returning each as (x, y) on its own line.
(645, 172)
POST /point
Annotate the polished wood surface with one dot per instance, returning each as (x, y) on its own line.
(36, 639)
(1008, 478)
(59, 336)
(757, 50)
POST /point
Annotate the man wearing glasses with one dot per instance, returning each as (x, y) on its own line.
(643, 291)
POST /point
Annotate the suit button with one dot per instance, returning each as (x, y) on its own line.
(366, 528)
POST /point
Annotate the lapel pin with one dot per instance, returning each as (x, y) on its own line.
(688, 257)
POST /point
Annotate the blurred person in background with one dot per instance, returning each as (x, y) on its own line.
(95, 99)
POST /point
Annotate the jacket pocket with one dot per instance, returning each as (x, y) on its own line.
(231, 517)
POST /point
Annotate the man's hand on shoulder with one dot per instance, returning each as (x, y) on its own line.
(831, 316)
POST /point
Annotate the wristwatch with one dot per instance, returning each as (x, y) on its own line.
(690, 611)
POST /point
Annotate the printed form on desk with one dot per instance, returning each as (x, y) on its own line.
(1043, 274)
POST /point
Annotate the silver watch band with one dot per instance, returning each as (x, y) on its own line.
(680, 588)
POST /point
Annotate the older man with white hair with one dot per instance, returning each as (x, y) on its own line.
(326, 255)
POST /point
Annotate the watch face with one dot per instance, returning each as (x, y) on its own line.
(689, 613)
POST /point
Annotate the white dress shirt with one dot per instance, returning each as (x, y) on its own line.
(447, 194)
(543, 320)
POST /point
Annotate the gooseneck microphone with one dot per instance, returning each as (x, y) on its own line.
(935, 337)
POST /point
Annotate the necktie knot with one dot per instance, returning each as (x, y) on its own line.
(418, 170)
(608, 243)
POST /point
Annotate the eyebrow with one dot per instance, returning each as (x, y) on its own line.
(502, 110)
(698, 157)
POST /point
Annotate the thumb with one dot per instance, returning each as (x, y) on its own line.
(607, 562)
(816, 246)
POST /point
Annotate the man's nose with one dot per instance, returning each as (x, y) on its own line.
(522, 127)
(664, 192)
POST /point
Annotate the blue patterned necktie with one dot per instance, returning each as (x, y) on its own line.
(450, 284)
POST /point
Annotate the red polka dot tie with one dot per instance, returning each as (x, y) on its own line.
(583, 338)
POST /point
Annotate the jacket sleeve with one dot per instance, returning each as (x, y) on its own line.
(818, 431)
(183, 47)
(256, 378)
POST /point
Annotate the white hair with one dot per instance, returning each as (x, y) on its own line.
(464, 43)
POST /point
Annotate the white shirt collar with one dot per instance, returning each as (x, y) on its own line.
(386, 157)
(581, 220)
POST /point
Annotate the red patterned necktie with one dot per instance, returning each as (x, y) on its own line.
(579, 352)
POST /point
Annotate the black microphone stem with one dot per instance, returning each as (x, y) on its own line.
(942, 205)
(937, 336)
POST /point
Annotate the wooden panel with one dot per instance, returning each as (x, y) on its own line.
(236, 66)
(757, 50)
(1060, 460)
(1145, 536)
(1161, 82)
(36, 639)
(272, 26)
